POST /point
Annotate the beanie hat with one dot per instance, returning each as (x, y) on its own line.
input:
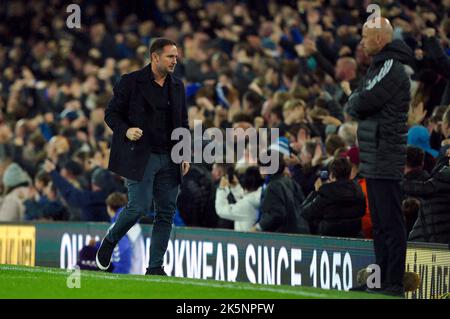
(418, 136)
(14, 176)
(353, 155)
(281, 146)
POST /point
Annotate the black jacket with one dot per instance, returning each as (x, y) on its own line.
(336, 209)
(411, 177)
(380, 104)
(196, 200)
(280, 207)
(433, 223)
(441, 62)
(131, 106)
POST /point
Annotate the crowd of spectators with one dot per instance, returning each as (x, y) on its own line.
(289, 65)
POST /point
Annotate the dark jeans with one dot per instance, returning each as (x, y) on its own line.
(389, 233)
(161, 183)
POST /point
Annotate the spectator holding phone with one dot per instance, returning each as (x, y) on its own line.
(337, 205)
(244, 212)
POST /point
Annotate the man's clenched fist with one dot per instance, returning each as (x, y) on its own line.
(134, 133)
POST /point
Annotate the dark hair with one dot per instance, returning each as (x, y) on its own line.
(43, 176)
(414, 157)
(410, 206)
(296, 127)
(73, 168)
(158, 45)
(253, 98)
(341, 168)
(116, 200)
(281, 161)
(278, 111)
(333, 142)
(252, 180)
(242, 117)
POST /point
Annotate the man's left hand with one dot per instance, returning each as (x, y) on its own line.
(185, 167)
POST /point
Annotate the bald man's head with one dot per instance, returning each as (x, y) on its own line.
(376, 34)
(345, 69)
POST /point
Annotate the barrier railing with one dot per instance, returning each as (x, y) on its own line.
(266, 258)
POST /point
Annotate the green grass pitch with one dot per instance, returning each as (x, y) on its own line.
(39, 282)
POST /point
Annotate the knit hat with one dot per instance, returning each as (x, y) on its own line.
(418, 136)
(281, 145)
(353, 155)
(14, 176)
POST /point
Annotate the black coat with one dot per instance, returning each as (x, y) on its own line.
(280, 207)
(131, 106)
(336, 209)
(433, 223)
(441, 63)
(411, 177)
(380, 104)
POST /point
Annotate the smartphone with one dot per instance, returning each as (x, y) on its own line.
(324, 175)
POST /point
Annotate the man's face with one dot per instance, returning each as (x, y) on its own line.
(369, 41)
(167, 60)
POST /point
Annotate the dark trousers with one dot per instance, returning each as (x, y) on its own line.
(161, 184)
(389, 233)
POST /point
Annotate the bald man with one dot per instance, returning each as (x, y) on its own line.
(380, 105)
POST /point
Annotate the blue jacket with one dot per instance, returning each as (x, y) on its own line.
(92, 204)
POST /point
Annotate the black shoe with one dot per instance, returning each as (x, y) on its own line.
(104, 253)
(374, 290)
(159, 271)
(394, 290)
(362, 287)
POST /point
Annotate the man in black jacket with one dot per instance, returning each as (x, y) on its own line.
(281, 199)
(336, 208)
(380, 104)
(147, 106)
(433, 222)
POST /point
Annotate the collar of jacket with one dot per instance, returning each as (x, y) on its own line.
(397, 50)
(146, 75)
(275, 177)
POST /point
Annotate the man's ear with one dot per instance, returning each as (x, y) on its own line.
(155, 57)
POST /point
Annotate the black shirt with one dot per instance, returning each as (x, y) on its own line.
(162, 116)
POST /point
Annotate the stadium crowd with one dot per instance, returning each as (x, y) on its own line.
(289, 65)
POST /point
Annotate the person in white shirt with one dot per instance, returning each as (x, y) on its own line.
(245, 211)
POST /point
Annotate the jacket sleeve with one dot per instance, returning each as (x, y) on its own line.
(377, 91)
(237, 212)
(238, 192)
(313, 206)
(11, 210)
(324, 63)
(273, 210)
(74, 196)
(437, 54)
(33, 209)
(117, 110)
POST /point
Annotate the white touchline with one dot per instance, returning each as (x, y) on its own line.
(188, 282)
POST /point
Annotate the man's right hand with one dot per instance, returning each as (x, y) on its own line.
(134, 133)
